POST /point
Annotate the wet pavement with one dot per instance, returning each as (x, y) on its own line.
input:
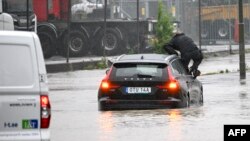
(228, 63)
(75, 115)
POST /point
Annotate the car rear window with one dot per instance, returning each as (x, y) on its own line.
(16, 67)
(139, 70)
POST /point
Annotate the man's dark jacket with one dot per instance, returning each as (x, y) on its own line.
(187, 48)
(182, 43)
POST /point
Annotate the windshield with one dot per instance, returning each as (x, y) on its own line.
(12, 6)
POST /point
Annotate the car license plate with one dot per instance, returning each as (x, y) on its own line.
(138, 90)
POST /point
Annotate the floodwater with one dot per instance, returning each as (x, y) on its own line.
(75, 115)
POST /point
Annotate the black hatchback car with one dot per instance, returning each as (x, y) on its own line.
(148, 81)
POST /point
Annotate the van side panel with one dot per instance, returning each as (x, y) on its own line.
(41, 65)
(45, 134)
(19, 88)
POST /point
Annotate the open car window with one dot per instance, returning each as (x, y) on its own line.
(178, 68)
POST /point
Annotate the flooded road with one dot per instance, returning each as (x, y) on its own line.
(75, 114)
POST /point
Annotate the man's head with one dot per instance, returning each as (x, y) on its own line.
(176, 29)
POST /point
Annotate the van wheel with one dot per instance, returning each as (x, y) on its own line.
(47, 42)
(77, 43)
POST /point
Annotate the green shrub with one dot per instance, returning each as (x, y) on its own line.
(101, 64)
(164, 29)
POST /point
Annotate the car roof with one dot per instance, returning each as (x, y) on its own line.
(147, 58)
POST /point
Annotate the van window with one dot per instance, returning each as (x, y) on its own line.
(16, 67)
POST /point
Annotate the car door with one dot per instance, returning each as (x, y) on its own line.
(180, 75)
(193, 85)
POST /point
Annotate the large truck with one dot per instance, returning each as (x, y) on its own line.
(78, 27)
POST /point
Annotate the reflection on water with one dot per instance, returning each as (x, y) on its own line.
(243, 89)
(170, 121)
(174, 114)
(243, 96)
(106, 123)
(175, 124)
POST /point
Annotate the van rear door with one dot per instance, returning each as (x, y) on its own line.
(19, 88)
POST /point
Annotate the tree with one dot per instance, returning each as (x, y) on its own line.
(164, 28)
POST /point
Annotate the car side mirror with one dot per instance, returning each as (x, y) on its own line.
(109, 62)
(107, 71)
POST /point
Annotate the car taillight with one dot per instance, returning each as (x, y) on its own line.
(45, 111)
(106, 85)
(172, 86)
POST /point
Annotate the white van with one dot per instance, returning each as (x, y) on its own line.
(24, 102)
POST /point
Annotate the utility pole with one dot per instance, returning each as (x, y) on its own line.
(241, 42)
(69, 25)
(200, 38)
(229, 26)
(137, 24)
(105, 27)
(27, 15)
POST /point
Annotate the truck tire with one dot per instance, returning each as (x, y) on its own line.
(77, 43)
(113, 45)
(205, 32)
(48, 41)
(222, 29)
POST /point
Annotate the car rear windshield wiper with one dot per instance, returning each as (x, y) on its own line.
(144, 75)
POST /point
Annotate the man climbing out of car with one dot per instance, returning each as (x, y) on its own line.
(187, 48)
